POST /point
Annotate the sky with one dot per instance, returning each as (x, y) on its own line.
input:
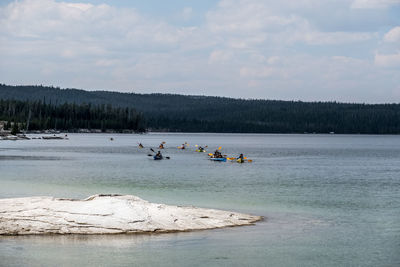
(309, 50)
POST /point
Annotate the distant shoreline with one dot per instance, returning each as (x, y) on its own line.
(43, 107)
(63, 135)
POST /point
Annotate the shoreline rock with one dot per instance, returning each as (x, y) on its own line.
(109, 214)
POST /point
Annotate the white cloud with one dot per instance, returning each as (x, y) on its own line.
(393, 35)
(388, 60)
(273, 60)
(259, 72)
(374, 3)
(252, 23)
(80, 6)
(187, 13)
(244, 48)
(329, 38)
(219, 56)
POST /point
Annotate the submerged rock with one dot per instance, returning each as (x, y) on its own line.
(108, 214)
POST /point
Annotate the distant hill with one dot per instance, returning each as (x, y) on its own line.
(168, 112)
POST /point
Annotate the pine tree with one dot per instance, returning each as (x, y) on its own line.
(15, 128)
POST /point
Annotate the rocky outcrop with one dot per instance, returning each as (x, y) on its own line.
(108, 214)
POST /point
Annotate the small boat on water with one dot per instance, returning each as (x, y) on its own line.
(239, 160)
(218, 159)
(10, 138)
(14, 137)
(158, 157)
(53, 137)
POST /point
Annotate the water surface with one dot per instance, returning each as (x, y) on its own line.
(328, 200)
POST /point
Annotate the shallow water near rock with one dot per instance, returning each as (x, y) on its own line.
(328, 200)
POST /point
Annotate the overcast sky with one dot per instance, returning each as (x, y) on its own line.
(343, 50)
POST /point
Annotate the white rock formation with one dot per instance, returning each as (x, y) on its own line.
(108, 214)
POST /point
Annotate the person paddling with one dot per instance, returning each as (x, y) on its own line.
(217, 154)
(140, 145)
(158, 155)
(240, 158)
(161, 146)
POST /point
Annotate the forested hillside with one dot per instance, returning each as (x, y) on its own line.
(36, 115)
(168, 112)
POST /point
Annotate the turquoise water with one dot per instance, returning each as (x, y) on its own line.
(328, 200)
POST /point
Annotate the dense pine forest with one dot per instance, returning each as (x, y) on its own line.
(37, 115)
(168, 112)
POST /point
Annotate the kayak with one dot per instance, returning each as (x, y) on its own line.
(200, 150)
(157, 158)
(218, 159)
(239, 160)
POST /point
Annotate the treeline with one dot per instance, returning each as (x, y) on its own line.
(39, 115)
(168, 112)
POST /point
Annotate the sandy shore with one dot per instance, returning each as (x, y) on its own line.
(108, 214)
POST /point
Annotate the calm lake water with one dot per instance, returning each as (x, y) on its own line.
(328, 200)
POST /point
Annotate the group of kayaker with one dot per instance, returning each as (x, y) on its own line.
(217, 155)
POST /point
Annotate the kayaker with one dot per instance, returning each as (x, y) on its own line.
(217, 154)
(201, 149)
(183, 146)
(140, 145)
(158, 155)
(240, 158)
(161, 146)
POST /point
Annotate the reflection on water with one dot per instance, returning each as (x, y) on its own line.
(328, 200)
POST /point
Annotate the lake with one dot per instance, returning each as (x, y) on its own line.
(328, 200)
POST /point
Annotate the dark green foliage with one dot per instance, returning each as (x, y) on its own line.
(181, 113)
(7, 126)
(15, 128)
(69, 116)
